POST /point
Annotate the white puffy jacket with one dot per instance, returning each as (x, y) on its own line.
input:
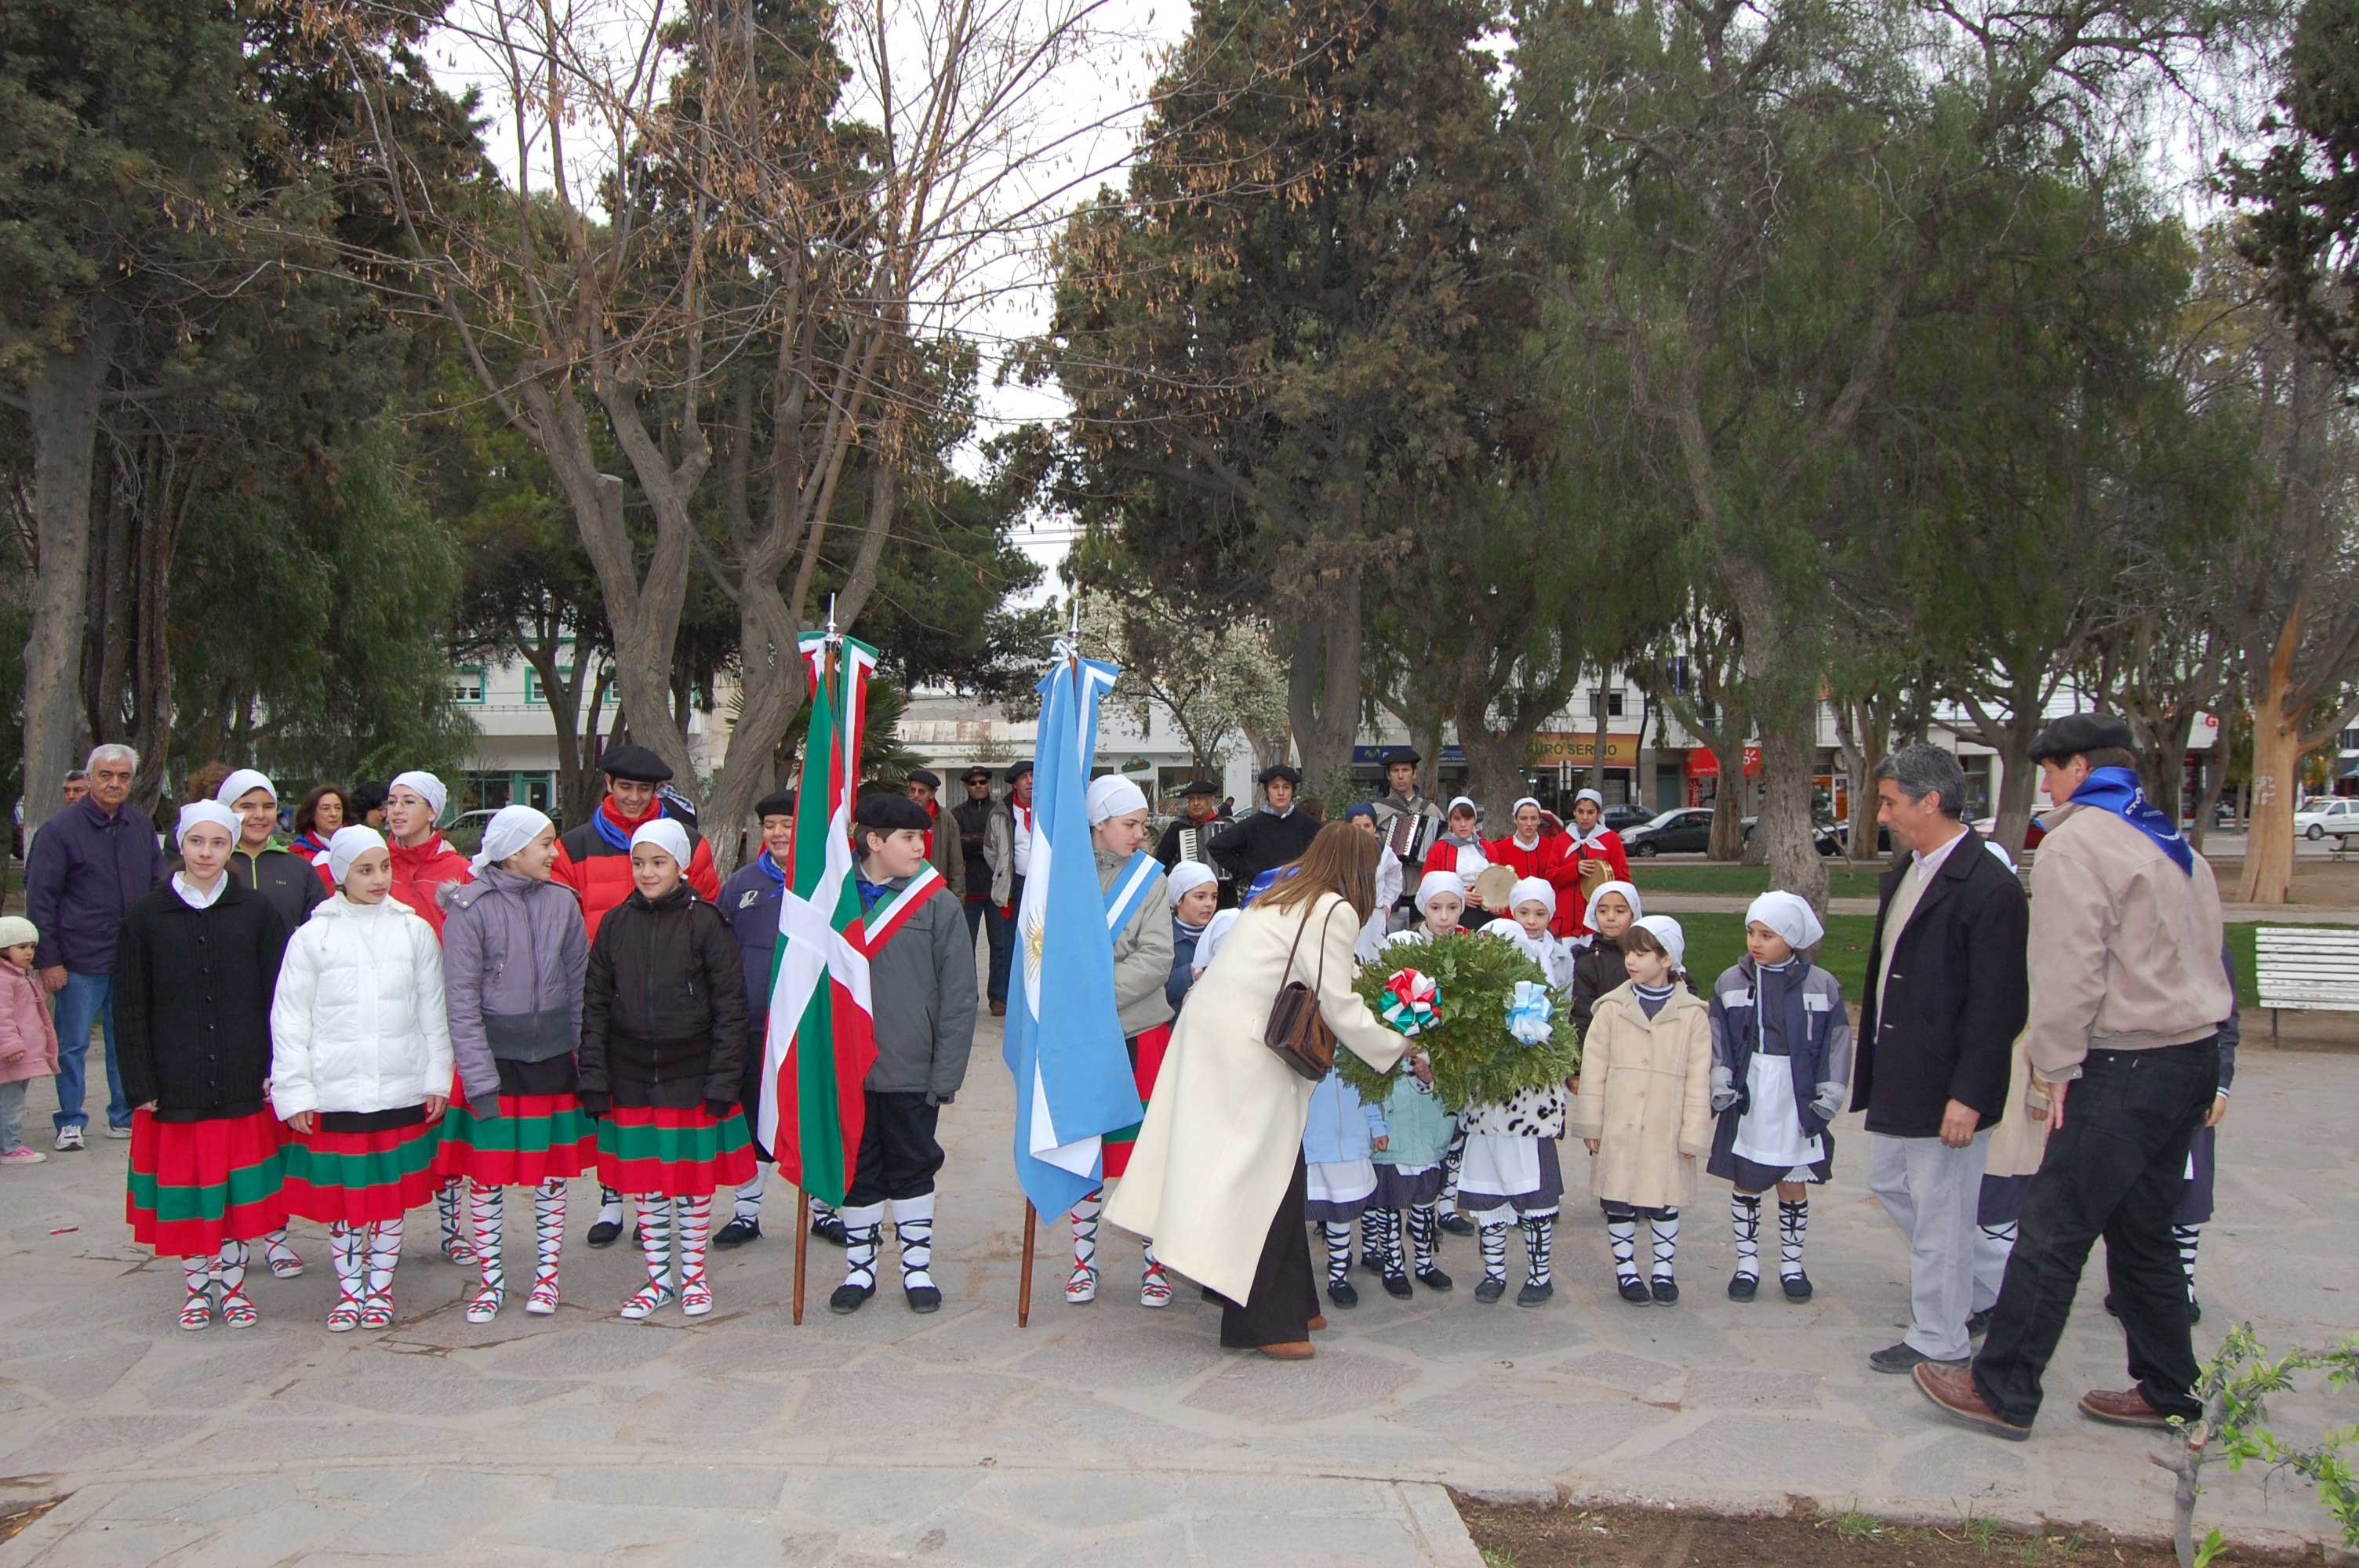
(358, 1022)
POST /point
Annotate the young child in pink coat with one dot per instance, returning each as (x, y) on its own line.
(28, 1041)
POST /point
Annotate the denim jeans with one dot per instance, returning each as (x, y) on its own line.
(12, 1115)
(87, 999)
(2115, 1169)
(1002, 929)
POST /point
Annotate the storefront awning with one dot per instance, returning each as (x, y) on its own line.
(1702, 764)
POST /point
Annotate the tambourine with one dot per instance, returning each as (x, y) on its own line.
(1494, 886)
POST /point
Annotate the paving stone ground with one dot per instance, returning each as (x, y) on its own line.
(1107, 1430)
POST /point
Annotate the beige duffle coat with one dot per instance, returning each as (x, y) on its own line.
(1646, 1096)
(1224, 1127)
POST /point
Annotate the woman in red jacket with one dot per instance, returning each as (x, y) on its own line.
(1591, 840)
(1534, 850)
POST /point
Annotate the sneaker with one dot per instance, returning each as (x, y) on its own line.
(119, 1134)
(69, 1138)
(1741, 1287)
(739, 1229)
(24, 1155)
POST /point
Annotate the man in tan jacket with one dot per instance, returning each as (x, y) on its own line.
(2127, 994)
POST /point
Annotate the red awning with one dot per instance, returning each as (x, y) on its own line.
(1702, 764)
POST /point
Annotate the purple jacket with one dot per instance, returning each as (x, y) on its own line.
(86, 870)
(514, 953)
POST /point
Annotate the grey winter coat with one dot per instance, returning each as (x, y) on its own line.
(922, 987)
(1142, 951)
(514, 954)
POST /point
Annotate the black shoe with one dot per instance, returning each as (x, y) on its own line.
(1664, 1289)
(1902, 1357)
(1490, 1290)
(1742, 1286)
(1341, 1293)
(1434, 1280)
(1978, 1325)
(737, 1232)
(830, 1230)
(1372, 1264)
(2111, 1307)
(605, 1233)
(2194, 1313)
(849, 1299)
(1533, 1295)
(1397, 1287)
(1457, 1224)
(1634, 1290)
(922, 1299)
(1796, 1286)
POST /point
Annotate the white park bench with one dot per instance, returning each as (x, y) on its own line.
(2306, 968)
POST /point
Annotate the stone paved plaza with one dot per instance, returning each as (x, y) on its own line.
(1099, 1431)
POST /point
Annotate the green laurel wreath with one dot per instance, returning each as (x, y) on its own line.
(1475, 1060)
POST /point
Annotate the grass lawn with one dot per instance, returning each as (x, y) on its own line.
(1716, 941)
(1698, 876)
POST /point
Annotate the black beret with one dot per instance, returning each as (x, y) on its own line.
(635, 763)
(1278, 771)
(2077, 733)
(1200, 786)
(1400, 754)
(780, 802)
(887, 812)
(978, 772)
(1018, 770)
(925, 777)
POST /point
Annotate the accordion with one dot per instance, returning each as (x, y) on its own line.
(1409, 834)
(1195, 844)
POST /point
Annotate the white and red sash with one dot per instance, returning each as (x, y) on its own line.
(880, 925)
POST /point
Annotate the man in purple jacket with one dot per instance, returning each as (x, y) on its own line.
(89, 863)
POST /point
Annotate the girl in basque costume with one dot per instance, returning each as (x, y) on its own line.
(193, 975)
(1510, 1173)
(514, 958)
(424, 869)
(662, 1062)
(1418, 1130)
(1194, 891)
(360, 1071)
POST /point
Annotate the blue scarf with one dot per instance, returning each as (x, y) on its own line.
(613, 832)
(2117, 790)
(771, 869)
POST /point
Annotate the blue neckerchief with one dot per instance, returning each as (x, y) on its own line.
(870, 893)
(2117, 790)
(771, 869)
(611, 831)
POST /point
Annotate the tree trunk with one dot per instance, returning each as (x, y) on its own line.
(1727, 840)
(1861, 726)
(2215, 780)
(2018, 786)
(2267, 876)
(1427, 737)
(62, 402)
(1782, 686)
(1322, 687)
(770, 673)
(1604, 712)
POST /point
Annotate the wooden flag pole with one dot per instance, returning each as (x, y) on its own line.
(802, 1243)
(1023, 1278)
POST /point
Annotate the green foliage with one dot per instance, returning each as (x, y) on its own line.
(2301, 200)
(2235, 1389)
(1475, 1061)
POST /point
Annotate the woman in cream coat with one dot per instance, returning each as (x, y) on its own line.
(1217, 1177)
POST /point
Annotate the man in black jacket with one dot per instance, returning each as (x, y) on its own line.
(1947, 993)
(1269, 838)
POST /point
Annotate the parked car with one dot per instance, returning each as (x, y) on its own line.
(1988, 828)
(2326, 814)
(1687, 830)
(1622, 819)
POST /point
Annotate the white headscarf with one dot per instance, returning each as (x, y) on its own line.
(1590, 794)
(1666, 930)
(1216, 932)
(1790, 917)
(1532, 890)
(1582, 836)
(240, 782)
(510, 829)
(1465, 800)
(1629, 896)
(1514, 829)
(429, 788)
(1436, 883)
(211, 811)
(1113, 795)
(665, 834)
(1185, 878)
(349, 844)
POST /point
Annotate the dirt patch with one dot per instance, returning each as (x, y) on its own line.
(1546, 1535)
(15, 1516)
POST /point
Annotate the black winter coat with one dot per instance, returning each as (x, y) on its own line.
(290, 884)
(663, 1012)
(1260, 841)
(1958, 993)
(192, 990)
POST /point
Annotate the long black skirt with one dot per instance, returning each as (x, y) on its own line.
(1284, 1295)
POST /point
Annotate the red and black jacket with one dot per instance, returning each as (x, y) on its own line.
(594, 860)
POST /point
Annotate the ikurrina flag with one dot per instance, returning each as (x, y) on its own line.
(1073, 1082)
(822, 1033)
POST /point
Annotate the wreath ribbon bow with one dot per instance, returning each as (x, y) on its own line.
(1412, 1002)
(1531, 1013)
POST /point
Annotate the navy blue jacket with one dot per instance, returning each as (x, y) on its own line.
(86, 870)
(750, 901)
(1183, 963)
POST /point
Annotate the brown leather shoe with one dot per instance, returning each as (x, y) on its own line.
(2127, 1408)
(1299, 1350)
(1951, 1385)
(1316, 1324)
(999, 1010)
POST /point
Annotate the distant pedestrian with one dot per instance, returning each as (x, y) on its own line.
(1007, 851)
(973, 819)
(2127, 995)
(28, 1041)
(91, 862)
(942, 850)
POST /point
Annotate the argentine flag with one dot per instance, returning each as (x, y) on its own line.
(1073, 1082)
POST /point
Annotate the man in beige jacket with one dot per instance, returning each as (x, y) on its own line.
(2127, 992)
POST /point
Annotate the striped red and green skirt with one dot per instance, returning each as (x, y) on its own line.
(533, 1139)
(673, 1153)
(449, 1160)
(359, 1178)
(1147, 1049)
(195, 1185)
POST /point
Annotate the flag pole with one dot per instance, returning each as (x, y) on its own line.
(802, 1242)
(1023, 1278)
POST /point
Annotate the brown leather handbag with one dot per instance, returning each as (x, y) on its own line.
(1296, 1031)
